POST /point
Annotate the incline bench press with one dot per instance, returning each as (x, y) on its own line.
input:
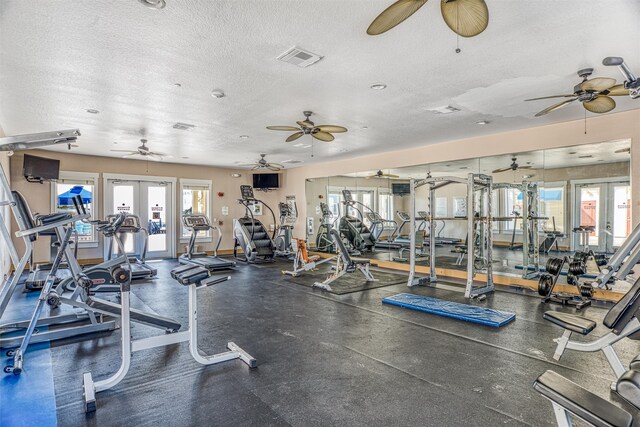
(622, 320)
(344, 264)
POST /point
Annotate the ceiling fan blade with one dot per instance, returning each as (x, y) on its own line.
(304, 125)
(525, 167)
(126, 156)
(390, 175)
(273, 168)
(256, 167)
(394, 15)
(598, 84)
(466, 18)
(331, 128)
(153, 156)
(549, 97)
(501, 170)
(245, 165)
(294, 136)
(554, 107)
(125, 151)
(602, 104)
(285, 128)
(617, 90)
(155, 153)
(323, 136)
(623, 150)
(276, 165)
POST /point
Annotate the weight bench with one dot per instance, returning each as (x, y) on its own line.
(621, 319)
(569, 398)
(345, 264)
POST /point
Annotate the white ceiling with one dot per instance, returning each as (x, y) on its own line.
(59, 58)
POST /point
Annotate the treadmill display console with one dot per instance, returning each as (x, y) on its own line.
(246, 191)
(404, 216)
(195, 221)
(131, 223)
(325, 209)
(346, 194)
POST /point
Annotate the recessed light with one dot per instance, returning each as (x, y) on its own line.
(185, 157)
(115, 143)
(365, 127)
(236, 175)
(177, 84)
(299, 144)
(183, 126)
(154, 4)
(572, 152)
(344, 150)
(445, 109)
(244, 136)
(92, 111)
(218, 93)
(464, 167)
(378, 86)
(482, 122)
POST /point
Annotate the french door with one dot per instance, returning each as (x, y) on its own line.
(607, 207)
(152, 202)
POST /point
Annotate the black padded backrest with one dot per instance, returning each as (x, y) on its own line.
(25, 212)
(621, 314)
(344, 253)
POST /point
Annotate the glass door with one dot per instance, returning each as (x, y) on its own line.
(150, 201)
(607, 207)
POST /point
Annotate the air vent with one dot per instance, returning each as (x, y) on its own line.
(183, 126)
(446, 109)
(300, 57)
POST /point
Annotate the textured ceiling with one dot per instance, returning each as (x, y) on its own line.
(59, 58)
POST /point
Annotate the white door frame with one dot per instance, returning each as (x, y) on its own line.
(170, 218)
(575, 215)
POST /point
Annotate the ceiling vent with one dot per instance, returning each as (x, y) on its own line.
(447, 109)
(183, 126)
(300, 57)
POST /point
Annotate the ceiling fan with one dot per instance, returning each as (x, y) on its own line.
(595, 94)
(263, 164)
(467, 18)
(307, 127)
(143, 151)
(380, 174)
(623, 150)
(514, 166)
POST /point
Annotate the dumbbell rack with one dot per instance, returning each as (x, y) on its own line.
(547, 283)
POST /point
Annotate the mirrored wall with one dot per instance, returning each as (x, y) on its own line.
(547, 194)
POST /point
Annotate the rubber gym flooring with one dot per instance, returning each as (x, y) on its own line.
(326, 359)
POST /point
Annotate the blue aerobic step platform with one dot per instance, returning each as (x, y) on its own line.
(455, 310)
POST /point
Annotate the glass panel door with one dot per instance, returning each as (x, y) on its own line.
(124, 195)
(589, 210)
(154, 217)
(618, 223)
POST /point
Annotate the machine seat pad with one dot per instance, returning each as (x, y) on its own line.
(635, 363)
(214, 280)
(313, 258)
(624, 309)
(570, 321)
(44, 219)
(581, 402)
(628, 386)
(360, 261)
(189, 276)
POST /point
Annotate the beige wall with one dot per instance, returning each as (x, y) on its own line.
(625, 125)
(39, 195)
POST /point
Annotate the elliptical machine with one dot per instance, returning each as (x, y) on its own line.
(352, 228)
(288, 217)
(131, 225)
(324, 242)
(250, 234)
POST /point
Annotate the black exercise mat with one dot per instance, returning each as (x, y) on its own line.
(350, 282)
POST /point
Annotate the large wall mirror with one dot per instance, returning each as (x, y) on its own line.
(539, 201)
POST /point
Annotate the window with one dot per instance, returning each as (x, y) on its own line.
(195, 198)
(552, 206)
(70, 185)
(512, 206)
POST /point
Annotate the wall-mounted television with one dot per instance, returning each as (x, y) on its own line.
(38, 169)
(264, 181)
(400, 189)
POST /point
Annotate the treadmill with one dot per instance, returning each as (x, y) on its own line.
(196, 223)
(139, 268)
(400, 239)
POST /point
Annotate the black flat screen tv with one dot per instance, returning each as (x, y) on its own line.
(263, 181)
(38, 169)
(400, 189)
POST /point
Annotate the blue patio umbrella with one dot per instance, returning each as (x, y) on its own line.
(547, 195)
(66, 198)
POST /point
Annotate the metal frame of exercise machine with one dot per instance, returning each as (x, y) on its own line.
(247, 228)
(324, 242)
(345, 264)
(360, 238)
(196, 223)
(195, 278)
(303, 261)
(284, 236)
(477, 226)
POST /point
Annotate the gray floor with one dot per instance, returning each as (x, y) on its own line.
(328, 360)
